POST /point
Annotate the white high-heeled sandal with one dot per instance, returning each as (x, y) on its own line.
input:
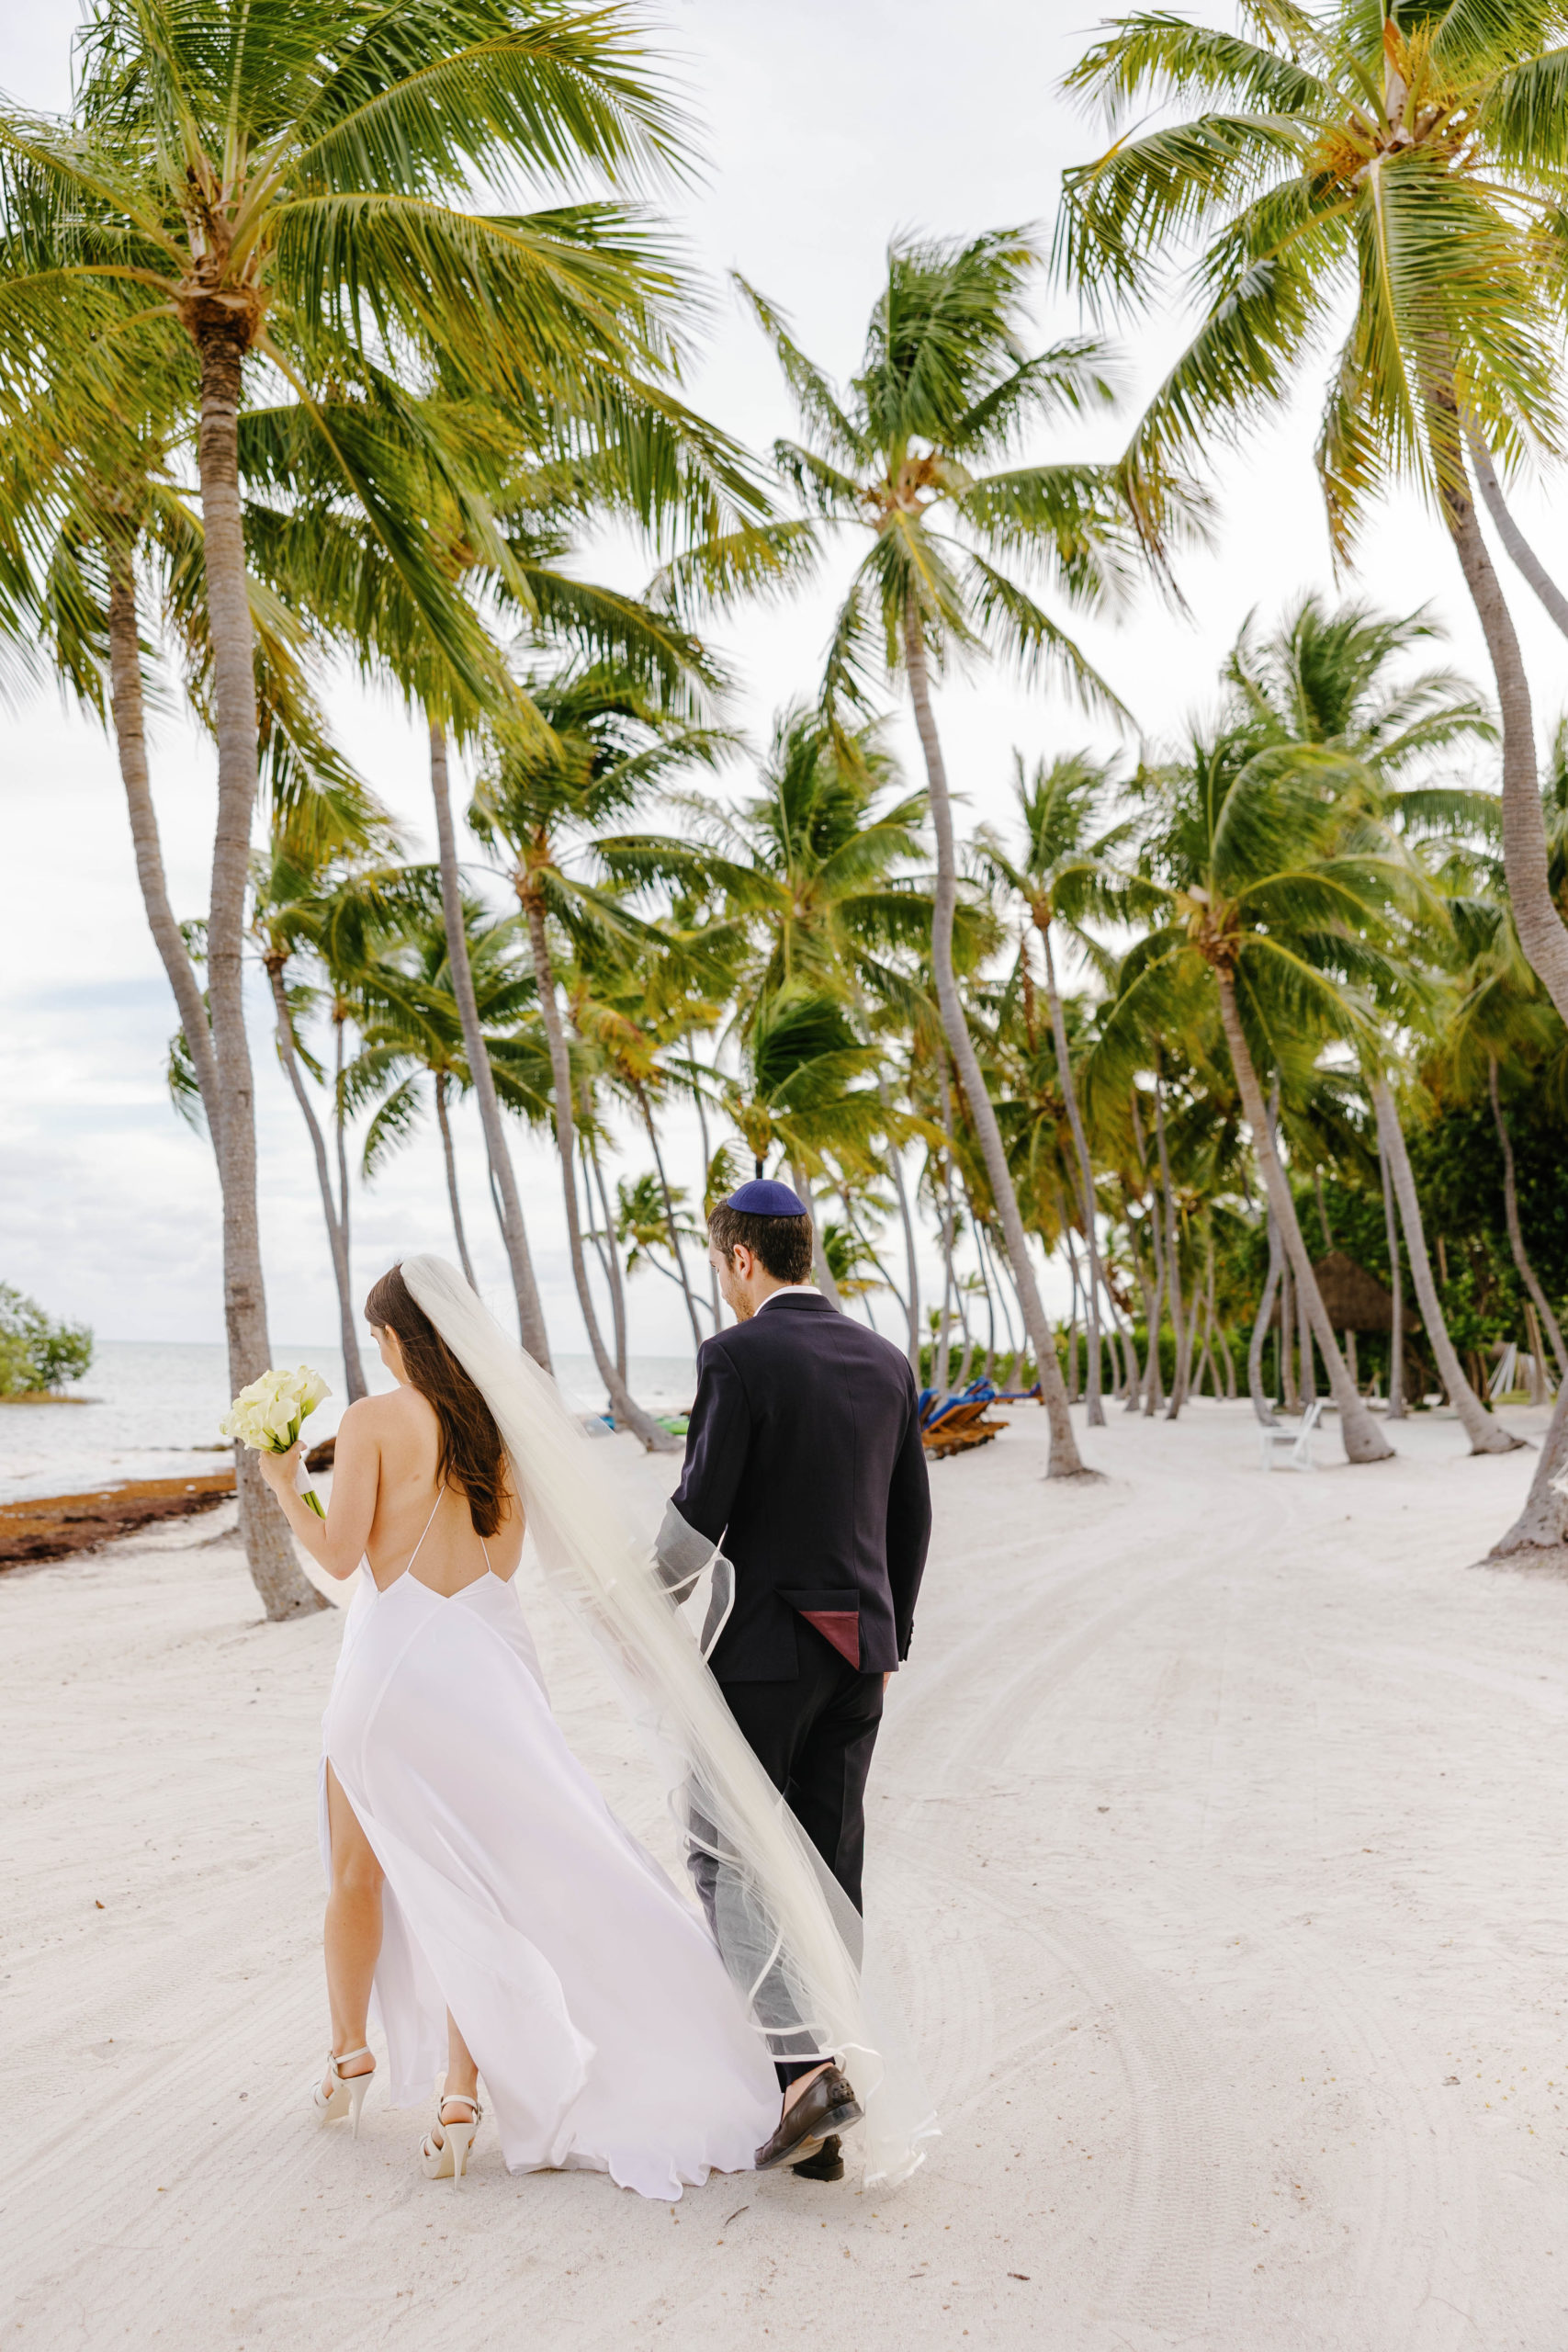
(347, 2094)
(446, 2159)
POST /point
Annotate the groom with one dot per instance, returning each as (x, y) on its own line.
(804, 1454)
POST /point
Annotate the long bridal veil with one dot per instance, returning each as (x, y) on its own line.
(790, 1940)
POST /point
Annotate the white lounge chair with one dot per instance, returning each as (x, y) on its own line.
(1294, 1443)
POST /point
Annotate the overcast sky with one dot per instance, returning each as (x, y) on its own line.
(826, 129)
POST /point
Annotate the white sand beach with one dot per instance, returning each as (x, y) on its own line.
(1219, 1824)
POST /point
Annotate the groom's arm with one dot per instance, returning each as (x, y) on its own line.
(908, 1525)
(719, 1436)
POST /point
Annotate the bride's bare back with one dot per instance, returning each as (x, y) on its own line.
(409, 1509)
(386, 1498)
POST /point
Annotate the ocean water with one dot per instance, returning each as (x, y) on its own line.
(150, 1411)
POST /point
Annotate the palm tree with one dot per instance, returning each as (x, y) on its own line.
(1415, 152)
(543, 804)
(813, 866)
(1486, 1434)
(944, 390)
(500, 491)
(97, 530)
(1267, 898)
(290, 910)
(293, 189)
(1065, 873)
(411, 1030)
(649, 1215)
(1328, 678)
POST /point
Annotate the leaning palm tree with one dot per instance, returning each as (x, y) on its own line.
(1065, 873)
(913, 460)
(1264, 894)
(544, 802)
(1485, 1432)
(1413, 155)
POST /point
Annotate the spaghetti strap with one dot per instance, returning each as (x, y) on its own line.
(485, 1549)
(428, 1525)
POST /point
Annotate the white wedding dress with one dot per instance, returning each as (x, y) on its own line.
(609, 2033)
(606, 2032)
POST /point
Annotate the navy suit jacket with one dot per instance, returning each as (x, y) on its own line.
(804, 1454)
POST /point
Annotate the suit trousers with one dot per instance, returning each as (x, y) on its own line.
(814, 1738)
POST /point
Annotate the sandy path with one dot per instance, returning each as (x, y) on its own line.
(1220, 1832)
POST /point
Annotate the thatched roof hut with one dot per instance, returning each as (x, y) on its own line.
(1356, 1300)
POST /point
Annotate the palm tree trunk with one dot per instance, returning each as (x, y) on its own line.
(1073, 1389)
(1194, 1386)
(1138, 1394)
(1396, 1289)
(869, 1247)
(948, 1225)
(353, 1370)
(530, 1314)
(1263, 1405)
(987, 1370)
(895, 1161)
(130, 743)
(1173, 1262)
(821, 1271)
(1536, 919)
(1154, 1385)
(1095, 1415)
(220, 345)
(1362, 1438)
(1306, 1370)
(629, 1412)
(715, 1300)
(1525, 557)
(1527, 1273)
(604, 1243)
(1485, 1434)
(642, 1103)
(340, 1124)
(450, 1160)
(1543, 1525)
(1014, 1351)
(1064, 1460)
(1122, 1352)
(613, 1263)
(1231, 1391)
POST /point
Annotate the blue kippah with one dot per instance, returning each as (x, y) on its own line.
(763, 1197)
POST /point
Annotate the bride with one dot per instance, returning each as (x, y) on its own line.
(484, 1900)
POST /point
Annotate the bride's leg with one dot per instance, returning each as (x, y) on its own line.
(462, 2076)
(351, 1940)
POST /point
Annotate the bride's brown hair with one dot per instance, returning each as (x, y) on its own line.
(473, 1458)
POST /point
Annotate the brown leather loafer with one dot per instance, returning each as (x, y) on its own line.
(827, 2106)
(827, 2164)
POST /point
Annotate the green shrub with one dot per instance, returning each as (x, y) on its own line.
(38, 1355)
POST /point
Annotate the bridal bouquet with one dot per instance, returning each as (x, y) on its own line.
(268, 1415)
